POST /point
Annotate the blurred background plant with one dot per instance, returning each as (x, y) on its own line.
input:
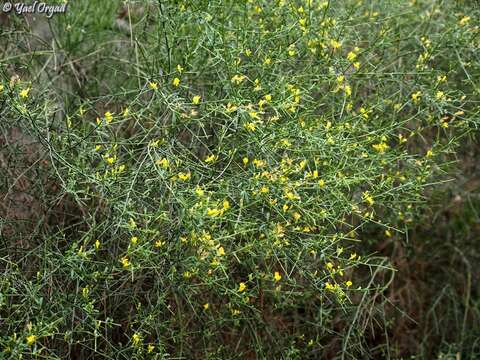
(255, 179)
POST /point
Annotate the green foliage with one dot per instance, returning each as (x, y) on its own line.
(209, 174)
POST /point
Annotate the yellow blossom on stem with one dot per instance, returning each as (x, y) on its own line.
(24, 93)
(196, 99)
(277, 276)
(31, 340)
(241, 287)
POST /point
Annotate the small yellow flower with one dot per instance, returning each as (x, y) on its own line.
(31, 339)
(24, 93)
(268, 97)
(125, 262)
(231, 108)
(176, 82)
(1, 88)
(226, 204)
(381, 147)
(368, 198)
(440, 95)
(245, 161)
(241, 287)
(351, 56)
(416, 96)
(388, 233)
(210, 158)
(164, 163)
(206, 306)
(250, 126)
(213, 212)
(221, 251)
(97, 244)
(196, 99)
(429, 153)
(329, 286)
(464, 21)
(349, 283)
(134, 240)
(184, 176)
(277, 276)
(150, 348)
(126, 111)
(153, 85)
(108, 117)
(136, 339)
(321, 183)
(179, 68)
(335, 44)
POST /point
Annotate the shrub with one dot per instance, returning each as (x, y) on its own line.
(206, 174)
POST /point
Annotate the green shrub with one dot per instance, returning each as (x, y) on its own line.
(206, 174)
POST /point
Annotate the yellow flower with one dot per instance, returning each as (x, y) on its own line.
(136, 339)
(206, 306)
(31, 339)
(179, 68)
(210, 159)
(429, 153)
(268, 97)
(329, 286)
(351, 56)
(245, 161)
(24, 93)
(108, 117)
(176, 82)
(196, 99)
(134, 240)
(125, 262)
(231, 108)
(250, 126)
(349, 283)
(464, 21)
(213, 212)
(150, 348)
(221, 251)
(254, 115)
(416, 96)
(241, 287)
(184, 176)
(97, 244)
(277, 276)
(153, 85)
(381, 147)
(1, 88)
(199, 191)
(368, 198)
(440, 95)
(388, 233)
(267, 61)
(237, 79)
(226, 204)
(335, 44)
(163, 163)
(126, 111)
(321, 183)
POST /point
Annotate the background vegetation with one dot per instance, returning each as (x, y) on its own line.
(240, 180)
